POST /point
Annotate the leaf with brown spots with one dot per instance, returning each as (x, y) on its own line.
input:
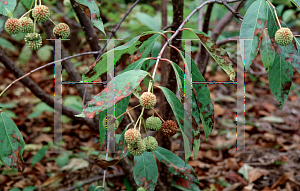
(92, 11)
(253, 23)
(7, 6)
(117, 55)
(267, 51)
(175, 164)
(11, 143)
(119, 88)
(145, 171)
(219, 54)
(280, 79)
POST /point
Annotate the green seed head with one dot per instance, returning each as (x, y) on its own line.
(148, 100)
(33, 40)
(41, 13)
(283, 36)
(62, 30)
(132, 135)
(153, 123)
(150, 143)
(141, 189)
(137, 148)
(13, 26)
(26, 25)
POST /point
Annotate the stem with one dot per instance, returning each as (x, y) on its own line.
(35, 2)
(40, 2)
(146, 130)
(52, 21)
(141, 118)
(158, 116)
(34, 25)
(274, 12)
(25, 13)
(128, 111)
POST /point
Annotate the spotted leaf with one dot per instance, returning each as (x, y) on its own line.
(175, 164)
(94, 13)
(280, 79)
(119, 88)
(145, 171)
(11, 143)
(251, 29)
(7, 7)
(219, 54)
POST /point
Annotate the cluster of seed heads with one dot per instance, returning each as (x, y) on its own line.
(25, 24)
(110, 123)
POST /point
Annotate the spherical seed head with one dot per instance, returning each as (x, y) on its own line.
(150, 143)
(153, 123)
(283, 36)
(110, 122)
(141, 189)
(41, 13)
(26, 25)
(33, 40)
(13, 26)
(62, 30)
(132, 136)
(137, 148)
(169, 128)
(148, 100)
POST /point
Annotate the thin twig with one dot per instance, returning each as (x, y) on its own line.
(49, 64)
(159, 116)
(181, 26)
(236, 13)
(115, 29)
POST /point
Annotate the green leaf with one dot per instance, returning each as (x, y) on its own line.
(39, 109)
(44, 53)
(25, 55)
(40, 154)
(280, 79)
(145, 171)
(296, 2)
(27, 3)
(148, 20)
(11, 143)
(298, 44)
(253, 22)
(272, 22)
(175, 164)
(124, 84)
(289, 54)
(15, 189)
(120, 54)
(267, 51)
(29, 188)
(178, 111)
(7, 7)
(62, 159)
(219, 54)
(6, 44)
(94, 12)
(203, 96)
